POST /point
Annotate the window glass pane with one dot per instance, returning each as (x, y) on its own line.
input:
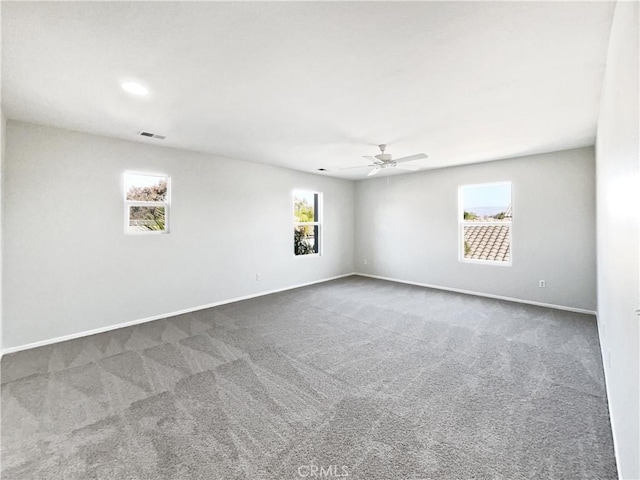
(305, 206)
(487, 202)
(146, 188)
(304, 240)
(487, 242)
(144, 219)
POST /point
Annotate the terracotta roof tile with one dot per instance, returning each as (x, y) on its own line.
(487, 242)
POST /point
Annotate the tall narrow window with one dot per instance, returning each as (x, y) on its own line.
(306, 222)
(146, 203)
(485, 216)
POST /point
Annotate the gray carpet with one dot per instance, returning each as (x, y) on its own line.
(356, 376)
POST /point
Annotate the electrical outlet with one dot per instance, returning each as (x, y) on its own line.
(365, 261)
(542, 284)
(258, 277)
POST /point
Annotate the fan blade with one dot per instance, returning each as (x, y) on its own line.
(373, 159)
(417, 156)
(373, 172)
(408, 167)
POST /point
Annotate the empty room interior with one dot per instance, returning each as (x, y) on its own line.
(285, 240)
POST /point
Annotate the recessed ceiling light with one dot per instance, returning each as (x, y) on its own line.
(134, 88)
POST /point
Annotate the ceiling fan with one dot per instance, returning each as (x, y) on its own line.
(385, 160)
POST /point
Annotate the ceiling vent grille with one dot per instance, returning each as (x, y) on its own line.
(152, 135)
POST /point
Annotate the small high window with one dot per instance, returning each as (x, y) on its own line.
(146, 203)
(306, 222)
(485, 216)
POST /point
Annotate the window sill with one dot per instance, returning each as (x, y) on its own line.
(492, 263)
(150, 232)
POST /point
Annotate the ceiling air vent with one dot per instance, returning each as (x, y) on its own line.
(152, 135)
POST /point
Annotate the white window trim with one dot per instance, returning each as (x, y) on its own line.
(304, 224)
(462, 224)
(135, 203)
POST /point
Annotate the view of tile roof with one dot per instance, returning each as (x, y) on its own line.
(487, 242)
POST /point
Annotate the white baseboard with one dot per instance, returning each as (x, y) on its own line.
(480, 294)
(86, 333)
(605, 369)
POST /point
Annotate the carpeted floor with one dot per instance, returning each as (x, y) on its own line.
(376, 380)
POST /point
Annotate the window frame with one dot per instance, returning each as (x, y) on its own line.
(137, 203)
(462, 223)
(318, 208)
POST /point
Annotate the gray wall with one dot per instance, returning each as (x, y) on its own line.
(618, 186)
(407, 228)
(69, 268)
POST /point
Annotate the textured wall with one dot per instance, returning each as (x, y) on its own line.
(407, 228)
(70, 268)
(618, 186)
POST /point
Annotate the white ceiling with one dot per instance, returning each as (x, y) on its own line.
(310, 85)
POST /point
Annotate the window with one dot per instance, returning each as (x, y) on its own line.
(485, 216)
(146, 203)
(306, 222)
